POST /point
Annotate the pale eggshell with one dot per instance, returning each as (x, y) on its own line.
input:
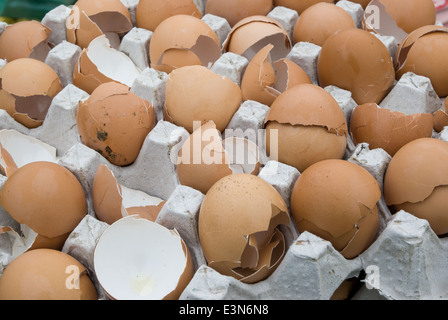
(235, 10)
(337, 201)
(238, 227)
(416, 181)
(25, 39)
(386, 129)
(299, 5)
(46, 274)
(115, 122)
(150, 13)
(27, 89)
(320, 21)
(357, 61)
(197, 94)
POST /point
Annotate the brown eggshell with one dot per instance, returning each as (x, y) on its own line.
(183, 40)
(337, 201)
(82, 29)
(195, 93)
(115, 122)
(243, 234)
(317, 23)
(150, 13)
(235, 10)
(25, 39)
(357, 61)
(440, 118)
(46, 197)
(299, 5)
(46, 274)
(27, 89)
(389, 130)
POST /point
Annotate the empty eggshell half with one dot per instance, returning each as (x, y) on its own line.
(197, 94)
(183, 40)
(337, 201)
(263, 81)
(386, 129)
(100, 63)
(238, 227)
(25, 39)
(235, 10)
(27, 88)
(137, 259)
(205, 158)
(112, 201)
(416, 181)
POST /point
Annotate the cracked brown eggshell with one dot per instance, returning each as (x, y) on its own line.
(416, 181)
(47, 198)
(197, 94)
(27, 88)
(25, 39)
(235, 10)
(357, 61)
(305, 125)
(386, 129)
(183, 40)
(150, 13)
(299, 5)
(115, 122)
(337, 201)
(45, 274)
(238, 227)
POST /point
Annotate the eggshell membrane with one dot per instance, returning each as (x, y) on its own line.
(43, 275)
(337, 201)
(150, 13)
(355, 60)
(46, 197)
(195, 93)
(386, 129)
(21, 38)
(240, 233)
(27, 88)
(236, 10)
(115, 122)
(317, 23)
(422, 54)
(299, 5)
(183, 40)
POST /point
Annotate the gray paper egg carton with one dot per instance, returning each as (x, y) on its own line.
(406, 261)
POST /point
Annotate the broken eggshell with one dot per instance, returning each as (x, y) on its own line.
(112, 201)
(183, 40)
(27, 88)
(100, 63)
(205, 158)
(235, 10)
(416, 181)
(263, 81)
(337, 201)
(440, 118)
(239, 230)
(137, 259)
(299, 5)
(115, 122)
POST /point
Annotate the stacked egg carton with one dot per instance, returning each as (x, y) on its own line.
(406, 261)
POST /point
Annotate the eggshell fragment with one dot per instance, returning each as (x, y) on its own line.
(263, 81)
(386, 129)
(25, 39)
(299, 6)
(46, 274)
(355, 60)
(100, 63)
(183, 40)
(150, 13)
(197, 94)
(242, 238)
(236, 10)
(440, 118)
(305, 125)
(27, 88)
(136, 259)
(337, 201)
(115, 122)
(416, 182)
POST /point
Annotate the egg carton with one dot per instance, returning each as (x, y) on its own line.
(406, 261)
